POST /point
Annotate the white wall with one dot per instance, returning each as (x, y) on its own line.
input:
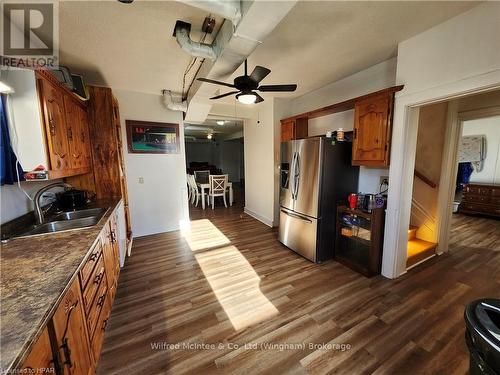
(259, 136)
(160, 202)
(374, 78)
(230, 158)
(490, 127)
(14, 203)
(457, 57)
(202, 151)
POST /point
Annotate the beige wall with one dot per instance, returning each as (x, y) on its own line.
(428, 159)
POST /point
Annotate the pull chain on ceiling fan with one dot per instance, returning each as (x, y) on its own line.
(246, 85)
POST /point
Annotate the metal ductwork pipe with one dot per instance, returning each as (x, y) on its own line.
(196, 49)
(229, 9)
(170, 104)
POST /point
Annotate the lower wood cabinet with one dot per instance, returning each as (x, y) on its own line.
(40, 359)
(71, 342)
(71, 333)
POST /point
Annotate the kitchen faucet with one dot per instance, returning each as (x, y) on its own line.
(38, 209)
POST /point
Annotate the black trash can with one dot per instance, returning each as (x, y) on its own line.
(482, 320)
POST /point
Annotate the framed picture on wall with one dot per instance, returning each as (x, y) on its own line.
(145, 137)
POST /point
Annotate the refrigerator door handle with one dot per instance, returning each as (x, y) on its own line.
(292, 175)
(296, 216)
(296, 177)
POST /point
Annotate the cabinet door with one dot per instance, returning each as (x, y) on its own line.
(287, 130)
(40, 360)
(371, 131)
(78, 138)
(71, 335)
(55, 126)
(111, 261)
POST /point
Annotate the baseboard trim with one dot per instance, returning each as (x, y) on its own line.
(261, 218)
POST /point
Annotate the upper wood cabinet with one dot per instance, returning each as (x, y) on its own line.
(372, 130)
(56, 129)
(294, 129)
(66, 128)
(51, 125)
(71, 333)
(78, 135)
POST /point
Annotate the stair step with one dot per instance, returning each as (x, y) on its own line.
(419, 250)
(412, 232)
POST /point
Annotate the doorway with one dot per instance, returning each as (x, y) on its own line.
(457, 151)
(215, 148)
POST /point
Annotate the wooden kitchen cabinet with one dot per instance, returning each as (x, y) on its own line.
(372, 130)
(71, 335)
(66, 128)
(78, 135)
(40, 360)
(111, 255)
(55, 126)
(296, 128)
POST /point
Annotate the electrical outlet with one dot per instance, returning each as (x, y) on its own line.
(384, 180)
(141, 180)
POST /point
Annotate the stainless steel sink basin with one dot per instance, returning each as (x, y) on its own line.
(71, 215)
(58, 226)
(67, 221)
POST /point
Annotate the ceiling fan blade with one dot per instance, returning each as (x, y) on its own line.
(277, 88)
(224, 95)
(259, 73)
(259, 98)
(215, 82)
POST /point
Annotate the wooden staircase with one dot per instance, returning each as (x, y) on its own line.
(418, 250)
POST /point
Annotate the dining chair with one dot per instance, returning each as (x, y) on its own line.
(189, 187)
(195, 191)
(218, 187)
(201, 176)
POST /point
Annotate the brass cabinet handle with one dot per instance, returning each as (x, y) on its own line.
(104, 324)
(93, 257)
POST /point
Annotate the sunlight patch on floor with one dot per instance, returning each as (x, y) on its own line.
(236, 286)
(202, 234)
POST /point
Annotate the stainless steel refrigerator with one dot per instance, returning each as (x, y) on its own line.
(315, 175)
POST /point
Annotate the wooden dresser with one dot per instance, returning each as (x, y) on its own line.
(481, 199)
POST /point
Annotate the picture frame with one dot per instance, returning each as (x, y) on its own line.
(146, 137)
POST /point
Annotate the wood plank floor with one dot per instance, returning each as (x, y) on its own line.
(249, 289)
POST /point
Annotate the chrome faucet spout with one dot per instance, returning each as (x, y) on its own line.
(39, 215)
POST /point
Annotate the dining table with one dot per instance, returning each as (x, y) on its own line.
(206, 185)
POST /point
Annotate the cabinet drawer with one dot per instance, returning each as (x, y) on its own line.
(90, 264)
(477, 198)
(479, 190)
(93, 285)
(97, 305)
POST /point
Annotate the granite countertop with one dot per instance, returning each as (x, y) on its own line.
(35, 272)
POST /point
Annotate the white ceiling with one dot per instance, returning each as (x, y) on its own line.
(127, 46)
(318, 42)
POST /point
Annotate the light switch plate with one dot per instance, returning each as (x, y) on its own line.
(141, 180)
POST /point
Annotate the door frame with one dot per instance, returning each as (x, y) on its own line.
(449, 169)
(402, 160)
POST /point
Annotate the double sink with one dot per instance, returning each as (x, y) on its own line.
(66, 221)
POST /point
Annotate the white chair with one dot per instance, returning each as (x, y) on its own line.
(218, 186)
(195, 191)
(202, 176)
(189, 187)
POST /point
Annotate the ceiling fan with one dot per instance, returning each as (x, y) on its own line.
(246, 85)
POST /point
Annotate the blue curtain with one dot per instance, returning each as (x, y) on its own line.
(7, 158)
(465, 170)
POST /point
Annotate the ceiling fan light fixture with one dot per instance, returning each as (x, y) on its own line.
(209, 136)
(220, 122)
(246, 98)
